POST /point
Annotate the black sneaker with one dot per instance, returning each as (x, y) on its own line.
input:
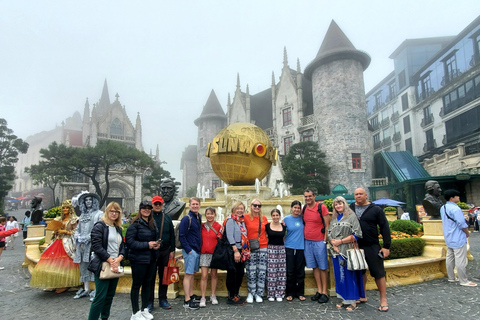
(236, 300)
(195, 298)
(316, 296)
(190, 304)
(323, 298)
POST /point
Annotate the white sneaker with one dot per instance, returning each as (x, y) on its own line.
(250, 298)
(2, 268)
(258, 299)
(271, 299)
(137, 316)
(213, 298)
(203, 302)
(279, 299)
(146, 314)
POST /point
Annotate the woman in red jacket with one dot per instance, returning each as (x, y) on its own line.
(211, 232)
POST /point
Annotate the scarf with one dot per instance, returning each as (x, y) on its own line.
(245, 245)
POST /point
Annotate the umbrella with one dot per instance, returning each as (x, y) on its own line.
(11, 199)
(388, 202)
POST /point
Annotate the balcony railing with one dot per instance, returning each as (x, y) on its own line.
(377, 145)
(397, 136)
(385, 122)
(375, 126)
(395, 116)
(429, 146)
(386, 142)
(427, 120)
(450, 76)
(308, 120)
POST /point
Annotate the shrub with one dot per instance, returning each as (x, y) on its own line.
(42, 241)
(463, 205)
(328, 203)
(406, 226)
(405, 248)
(53, 212)
(389, 209)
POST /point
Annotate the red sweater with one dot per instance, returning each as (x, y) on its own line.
(209, 238)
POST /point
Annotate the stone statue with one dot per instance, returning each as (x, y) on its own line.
(173, 206)
(37, 210)
(90, 214)
(432, 202)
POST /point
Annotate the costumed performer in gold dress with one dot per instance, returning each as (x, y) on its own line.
(56, 268)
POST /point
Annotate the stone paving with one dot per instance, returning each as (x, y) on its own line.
(437, 299)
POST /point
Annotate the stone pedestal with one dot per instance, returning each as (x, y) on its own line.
(391, 215)
(433, 235)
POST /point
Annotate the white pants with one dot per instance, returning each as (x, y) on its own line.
(457, 258)
(10, 241)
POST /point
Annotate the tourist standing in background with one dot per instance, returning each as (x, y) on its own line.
(455, 231)
(294, 247)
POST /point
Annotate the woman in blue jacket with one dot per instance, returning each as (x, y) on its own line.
(141, 238)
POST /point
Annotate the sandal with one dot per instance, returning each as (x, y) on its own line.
(383, 308)
(341, 305)
(361, 301)
(302, 298)
(351, 308)
(289, 298)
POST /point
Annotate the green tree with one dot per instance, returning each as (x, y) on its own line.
(96, 163)
(304, 166)
(191, 192)
(46, 176)
(10, 147)
(153, 180)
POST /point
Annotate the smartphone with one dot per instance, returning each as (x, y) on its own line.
(380, 254)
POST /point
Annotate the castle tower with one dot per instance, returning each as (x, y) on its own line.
(86, 124)
(210, 122)
(339, 109)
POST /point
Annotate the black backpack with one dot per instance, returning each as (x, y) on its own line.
(319, 211)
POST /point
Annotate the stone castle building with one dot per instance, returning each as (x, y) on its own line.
(294, 109)
(104, 121)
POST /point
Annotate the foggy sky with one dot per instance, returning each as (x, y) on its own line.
(164, 57)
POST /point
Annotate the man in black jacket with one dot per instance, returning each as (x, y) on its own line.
(370, 216)
(166, 251)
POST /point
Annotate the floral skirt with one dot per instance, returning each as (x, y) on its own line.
(55, 269)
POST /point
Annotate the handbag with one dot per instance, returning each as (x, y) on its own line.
(255, 243)
(356, 258)
(222, 257)
(95, 264)
(107, 273)
(170, 273)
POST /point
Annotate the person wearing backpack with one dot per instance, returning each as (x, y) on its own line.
(190, 236)
(317, 220)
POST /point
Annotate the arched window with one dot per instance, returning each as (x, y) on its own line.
(116, 128)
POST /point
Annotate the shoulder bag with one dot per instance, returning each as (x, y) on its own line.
(255, 243)
(356, 258)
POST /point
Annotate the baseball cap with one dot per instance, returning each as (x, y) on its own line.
(157, 199)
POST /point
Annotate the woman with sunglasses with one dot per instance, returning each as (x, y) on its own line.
(107, 245)
(257, 265)
(142, 245)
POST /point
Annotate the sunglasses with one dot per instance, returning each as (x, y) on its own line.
(256, 205)
(157, 204)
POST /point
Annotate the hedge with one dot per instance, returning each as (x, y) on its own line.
(405, 248)
(407, 226)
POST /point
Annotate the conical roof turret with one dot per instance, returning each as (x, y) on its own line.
(336, 46)
(212, 109)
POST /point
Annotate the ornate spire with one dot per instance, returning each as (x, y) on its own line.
(248, 91)
(116, 96)
(273, 78)
(228, 101)
(285, 57)
(298, 66)
(238, 81)
(105, 99)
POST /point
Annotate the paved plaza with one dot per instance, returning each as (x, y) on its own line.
(437, 299)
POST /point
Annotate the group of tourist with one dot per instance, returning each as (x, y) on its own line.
(272, 254)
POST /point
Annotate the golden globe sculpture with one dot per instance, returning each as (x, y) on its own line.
(240, 153)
